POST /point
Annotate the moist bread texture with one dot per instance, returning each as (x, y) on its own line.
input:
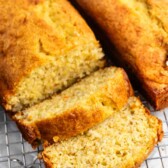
(122, 141)
(77, 108)
(139, 30)
(45, 45)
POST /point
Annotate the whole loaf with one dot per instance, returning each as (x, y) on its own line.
(139, 30)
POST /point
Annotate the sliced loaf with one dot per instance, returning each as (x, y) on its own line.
(76, 109)
(122, 141)
(45, 45)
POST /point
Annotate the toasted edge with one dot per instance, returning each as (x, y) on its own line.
(156, 93)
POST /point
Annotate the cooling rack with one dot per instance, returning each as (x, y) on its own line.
(15, 152)
(159, 156)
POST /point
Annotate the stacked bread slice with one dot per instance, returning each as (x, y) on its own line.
(122, 141)
(76, 109)
(45, 46)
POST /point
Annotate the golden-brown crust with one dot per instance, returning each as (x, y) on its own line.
(140, 33)
(157, 93)
(14, 64)
(63, 126)
(47, 161)
(22, 30)
(79, 119)
(29, 133)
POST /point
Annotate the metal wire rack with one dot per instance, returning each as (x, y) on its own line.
(15, 152)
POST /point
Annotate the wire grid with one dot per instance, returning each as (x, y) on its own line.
(15, 152)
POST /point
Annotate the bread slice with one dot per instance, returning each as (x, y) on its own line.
(139, 30)
(76, 109)
(122, 141)
(44, 47)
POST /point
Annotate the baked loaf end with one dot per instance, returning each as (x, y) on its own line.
(139, 30)
(76, 109)
(123, 140)
(44, 47)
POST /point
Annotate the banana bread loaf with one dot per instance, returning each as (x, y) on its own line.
(77, 108)
(122, 141)
(139, 30)
(45, 45)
